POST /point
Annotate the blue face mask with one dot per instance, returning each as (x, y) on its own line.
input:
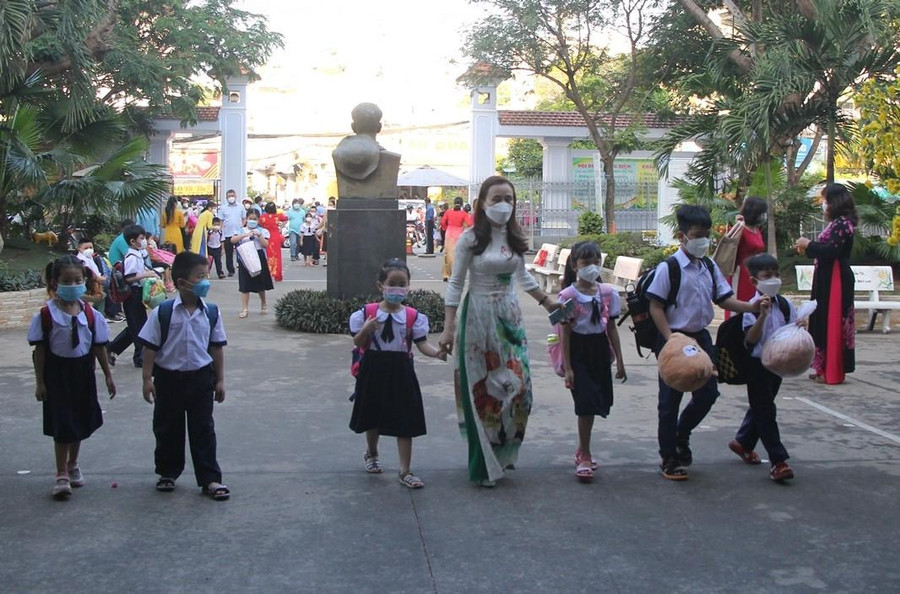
(200, 288)
(70, 292)
(252, 223)
(395, 295)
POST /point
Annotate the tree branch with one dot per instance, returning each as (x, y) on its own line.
(743, 62)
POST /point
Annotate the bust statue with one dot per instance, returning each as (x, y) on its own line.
(364, 168)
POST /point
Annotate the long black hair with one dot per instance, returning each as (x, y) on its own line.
(482, 226)
(390, 265)
(583, 250)
(170, 209)
(753, 209)
(54, 269)
(840, 202)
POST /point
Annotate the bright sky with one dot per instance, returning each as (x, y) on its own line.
(401, 54)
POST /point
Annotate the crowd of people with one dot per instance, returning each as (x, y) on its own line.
(183, 370)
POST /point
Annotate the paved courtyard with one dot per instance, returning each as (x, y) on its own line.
(305, 517)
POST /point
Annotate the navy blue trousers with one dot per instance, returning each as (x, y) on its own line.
(673, 427)
(759, 422)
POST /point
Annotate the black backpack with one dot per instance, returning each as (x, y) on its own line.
(645, 332)
(732, 355)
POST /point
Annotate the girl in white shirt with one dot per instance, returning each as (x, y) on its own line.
(262, 282)
(68, 336)
(387, 400)
(589, 342)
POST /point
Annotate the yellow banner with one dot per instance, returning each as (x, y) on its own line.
(194, 188)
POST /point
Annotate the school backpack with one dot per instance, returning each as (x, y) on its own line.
(370, 311)
(165, 318)
(646, 334)
(732, 354)
(554, 339)
(119, 290)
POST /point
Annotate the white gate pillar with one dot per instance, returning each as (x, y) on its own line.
(233, 126)
(556, 199)
(484, 126)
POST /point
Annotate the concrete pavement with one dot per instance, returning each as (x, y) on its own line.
(305, 517)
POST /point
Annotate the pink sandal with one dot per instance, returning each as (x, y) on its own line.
(584, 472)
(578, 459)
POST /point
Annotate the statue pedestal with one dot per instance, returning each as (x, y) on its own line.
(362, 234)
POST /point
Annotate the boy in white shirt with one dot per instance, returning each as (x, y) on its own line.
(135, 272)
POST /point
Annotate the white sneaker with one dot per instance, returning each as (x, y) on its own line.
(76, 479)
(62, 489)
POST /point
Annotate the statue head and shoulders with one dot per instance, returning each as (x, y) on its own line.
(364, 168)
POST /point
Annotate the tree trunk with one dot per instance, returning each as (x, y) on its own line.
(609, 205)
(771, 241)
(829, 154)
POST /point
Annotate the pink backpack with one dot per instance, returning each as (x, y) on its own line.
(554, 339)
(371, 310)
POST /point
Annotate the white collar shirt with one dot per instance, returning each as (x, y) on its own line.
(232, 216)
(398, 318)
(693, 308)
(189, 339)
(60, 335)
(584, 309)
(89, 263)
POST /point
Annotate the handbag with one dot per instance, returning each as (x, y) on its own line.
(725, 255)
(249, 258)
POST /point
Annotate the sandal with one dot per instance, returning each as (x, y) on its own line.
(165, 484)
(244, 313)
(410, 481)
(264, 310)
(220, 493)
(373, 466)
(584, 472)
(748, 456)
(578, 459)
(62, 489)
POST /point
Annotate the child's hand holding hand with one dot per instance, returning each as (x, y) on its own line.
(40, 392)
(149, 391)
(441, 354)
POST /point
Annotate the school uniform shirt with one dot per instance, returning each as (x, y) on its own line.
(60, 335)
(89, 263)
(134, 264)
(774, 321)
(398, 319)
(262, 232)
(583, 309)
(693, 308)
(189, 338)
(214, 239)
(308, 230)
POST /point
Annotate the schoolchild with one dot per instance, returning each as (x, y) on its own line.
(184, 373)
(588, 340)
(68, 336)
(262, 282)
(214, 245)
(700, 284)
(387, 399)
(135, 271)
(760, 423)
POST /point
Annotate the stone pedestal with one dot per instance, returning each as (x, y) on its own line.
(372, 230)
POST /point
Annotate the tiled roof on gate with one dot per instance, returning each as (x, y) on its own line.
(204, 114)
(573, 118)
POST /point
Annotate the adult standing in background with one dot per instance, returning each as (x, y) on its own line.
(295, 220)
(429, 226)
(202, 228)
(172, 221)
(453, 223)
(833, 324)
(753, 215)
(272, 221)
(233, 216)
(440, 224)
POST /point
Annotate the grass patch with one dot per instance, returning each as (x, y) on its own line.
(20, 255)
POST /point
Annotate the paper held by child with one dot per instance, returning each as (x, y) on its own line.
(790, 350)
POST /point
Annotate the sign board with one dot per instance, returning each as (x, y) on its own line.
(868, 278)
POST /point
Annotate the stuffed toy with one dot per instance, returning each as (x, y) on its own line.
(683, 365)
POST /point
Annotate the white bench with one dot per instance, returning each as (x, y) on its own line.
(548, 276)
(544, 258)
(627, 270)
(869, 279)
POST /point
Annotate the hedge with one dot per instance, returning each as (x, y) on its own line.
(20, 281)
(625, 244)
(314, 312)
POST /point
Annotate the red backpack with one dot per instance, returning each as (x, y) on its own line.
(370, 310)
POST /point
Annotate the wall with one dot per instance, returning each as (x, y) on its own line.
(17, 307)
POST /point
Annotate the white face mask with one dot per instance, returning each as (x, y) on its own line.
(232, 200)
(143, 244)
(697, 247)
(88, 252)
(824, 207)
(499, 213)
(588, 273)
(769, 287)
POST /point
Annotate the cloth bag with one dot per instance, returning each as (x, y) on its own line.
(249, 258)
(725, 255)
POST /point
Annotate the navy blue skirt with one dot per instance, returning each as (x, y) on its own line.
(388, 397)
(71, 410)
(593, 393)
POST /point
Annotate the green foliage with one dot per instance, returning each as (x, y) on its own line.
(315, 312)
(623, 244)
(793, 211)
(19, 280)
(590, 223)
(524, 158)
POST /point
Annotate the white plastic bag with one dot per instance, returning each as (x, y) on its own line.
(790, 350)
(249, 258)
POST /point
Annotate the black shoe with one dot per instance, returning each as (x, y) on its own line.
(683, 453)
(221, 276)
(673, 471)
(139, 364)
(230, 274)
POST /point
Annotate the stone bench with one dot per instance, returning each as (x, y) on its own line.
(869, 279)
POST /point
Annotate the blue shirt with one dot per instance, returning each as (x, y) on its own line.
(429, 213)
(693, 308)
(117, 249)
(148, 218)
(295, 219)
(232, 216)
